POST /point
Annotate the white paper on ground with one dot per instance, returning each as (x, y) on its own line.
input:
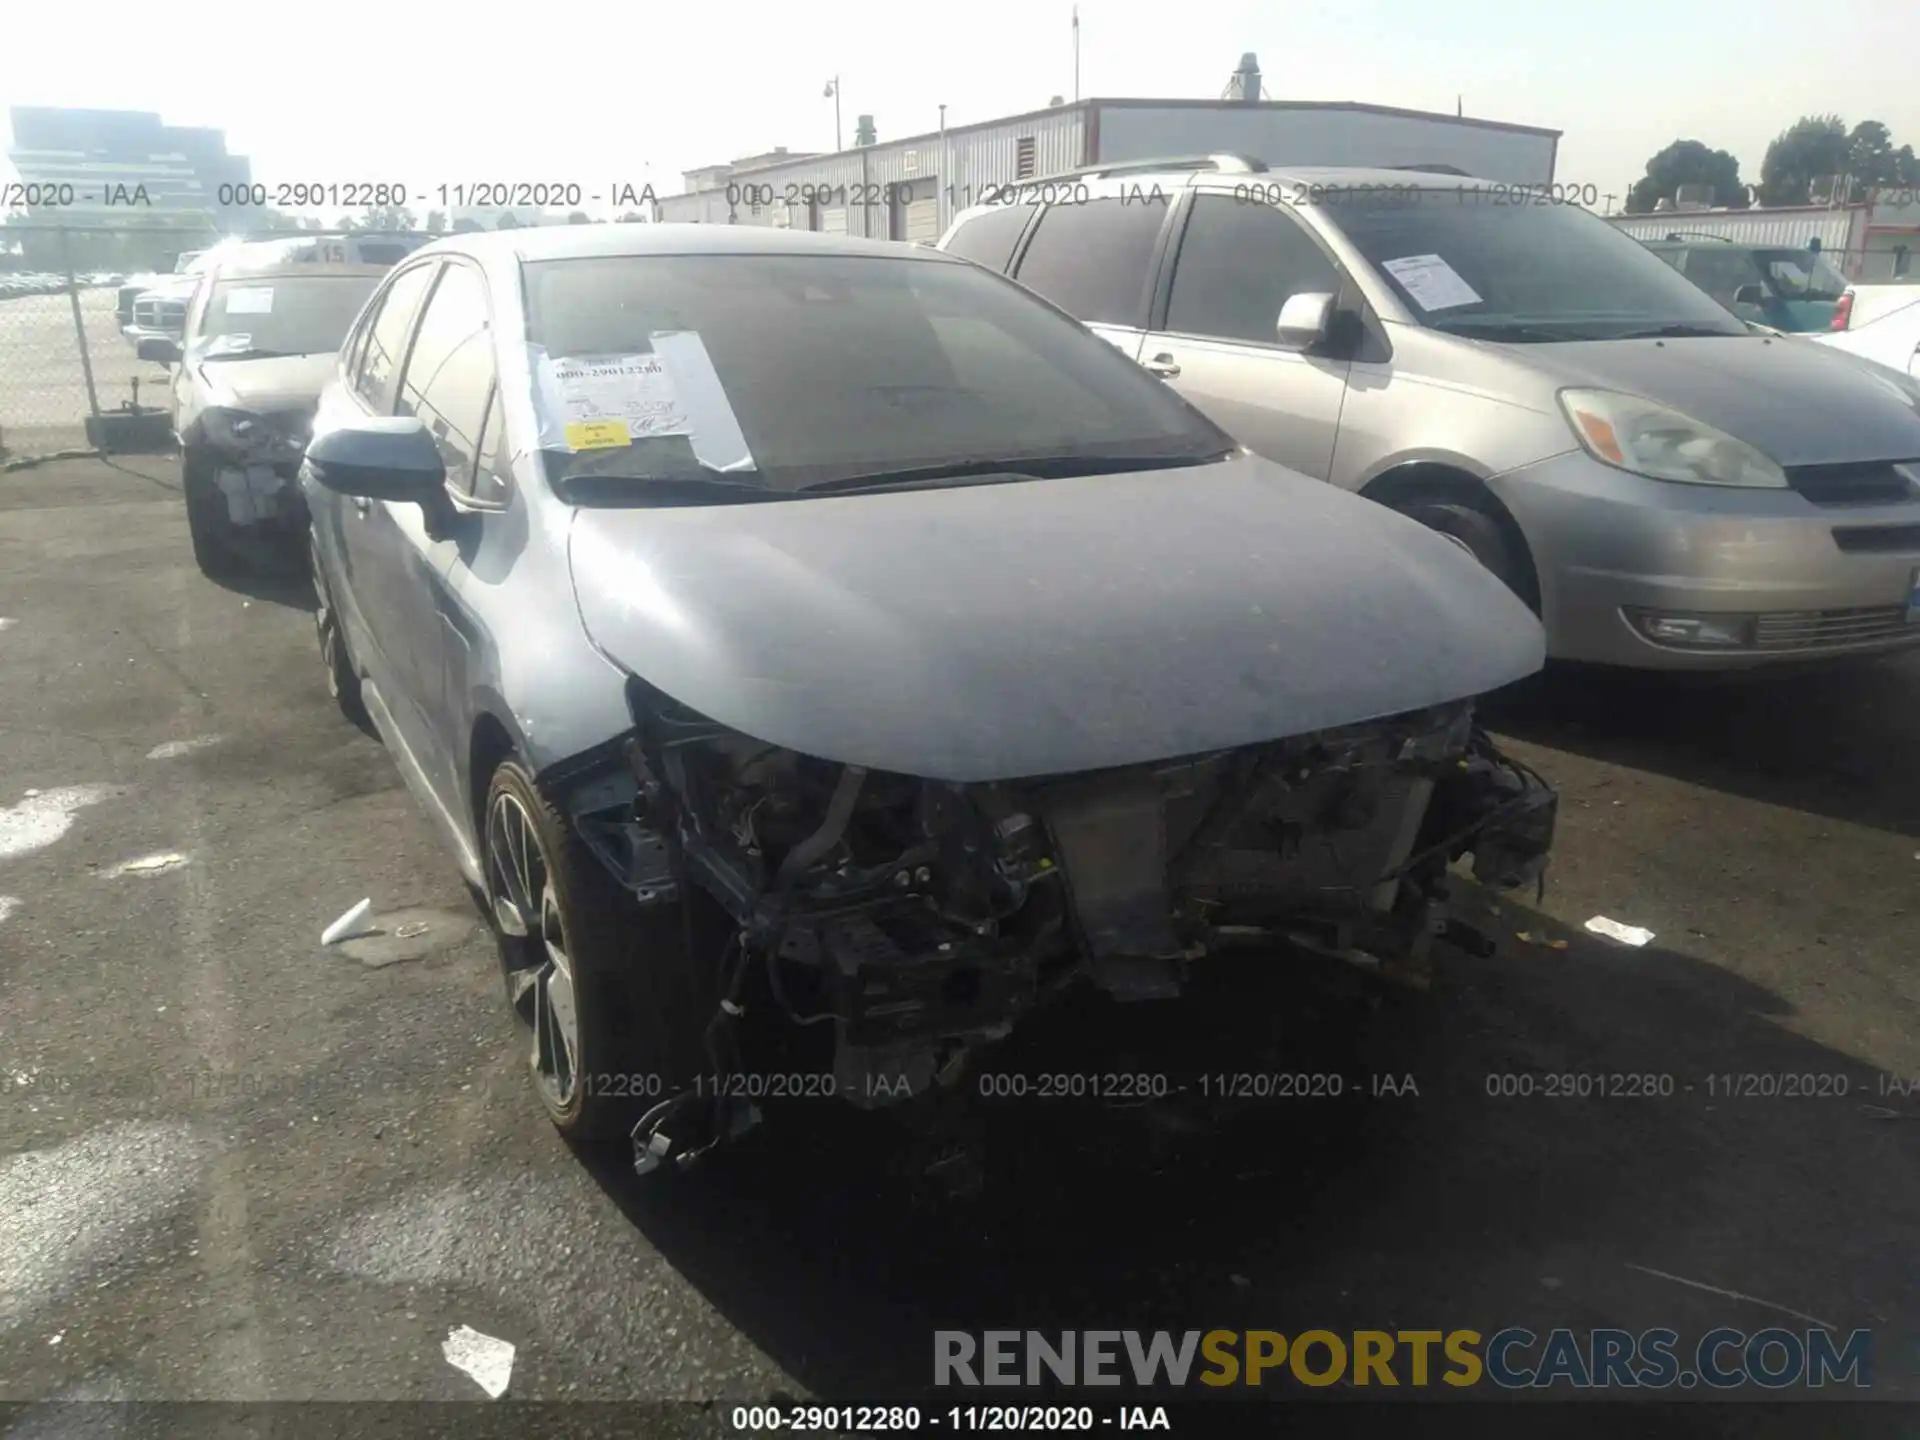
(487, 1360)
(250, 300)
(348, 924)
(1431, 281)
(1614, 930)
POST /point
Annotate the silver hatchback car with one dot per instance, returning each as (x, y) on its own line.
(1669, 487)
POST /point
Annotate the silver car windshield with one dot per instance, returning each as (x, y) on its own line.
(845, 366)
(280, 315)
(1521, 272)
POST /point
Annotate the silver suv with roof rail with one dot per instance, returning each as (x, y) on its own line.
(1667, 486)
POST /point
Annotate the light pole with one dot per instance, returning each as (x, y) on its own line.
(941, 196)
(833, 93)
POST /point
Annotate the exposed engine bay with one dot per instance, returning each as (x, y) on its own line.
(920, 919)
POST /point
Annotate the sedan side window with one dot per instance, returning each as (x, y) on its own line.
(1238, 265)
(491, 477)
(1092, 259)
(449, 375)
(376, 379)
(989, 237)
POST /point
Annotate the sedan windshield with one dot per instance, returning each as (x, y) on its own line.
(280, 315)
(1523, 273)
(855, 371)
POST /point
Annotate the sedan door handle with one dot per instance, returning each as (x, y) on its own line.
(362, 504)
(1163, 365)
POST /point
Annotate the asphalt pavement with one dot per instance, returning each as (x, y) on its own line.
(236, 1165)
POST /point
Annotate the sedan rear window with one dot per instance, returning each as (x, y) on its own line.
(845, 365)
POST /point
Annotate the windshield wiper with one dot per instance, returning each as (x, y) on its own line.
(251, 353)
(1674, 332)
(1496, 330)
(668, 489)
(998, 472)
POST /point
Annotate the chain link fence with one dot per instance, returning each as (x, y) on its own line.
(62, 355)
(66, 294)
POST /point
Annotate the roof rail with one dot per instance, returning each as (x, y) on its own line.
(1225, 164)
(1698, 235)
(1434, 170)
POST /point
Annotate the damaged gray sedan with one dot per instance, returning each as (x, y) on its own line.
(821, 653)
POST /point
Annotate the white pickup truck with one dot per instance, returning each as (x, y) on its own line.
(1863, 304)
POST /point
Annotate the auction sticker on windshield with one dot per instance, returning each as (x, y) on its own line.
(1433, 284)
(616, 401)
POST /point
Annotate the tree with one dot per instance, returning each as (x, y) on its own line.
(578, 217)
(631, 217)
(436, 222)
(466, 226)
(1812, 147)
(1688, 162)
(507, 221)
(386, 217)
(1874, 163)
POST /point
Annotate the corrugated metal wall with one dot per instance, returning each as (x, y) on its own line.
(1309, 136)
(1833, 228)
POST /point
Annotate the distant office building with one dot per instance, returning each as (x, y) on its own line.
(107, 154)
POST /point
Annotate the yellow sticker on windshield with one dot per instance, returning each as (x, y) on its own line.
(597, 434)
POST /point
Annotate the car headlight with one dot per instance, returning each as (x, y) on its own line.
(1663, 444)
(233, 427)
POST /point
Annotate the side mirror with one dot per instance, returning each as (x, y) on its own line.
(1305, 320)
(381, 457)
(1750, 295)
(164, 352)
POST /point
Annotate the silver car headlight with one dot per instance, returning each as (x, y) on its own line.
(1661, 443)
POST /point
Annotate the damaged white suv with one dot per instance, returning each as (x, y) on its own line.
(822, 652)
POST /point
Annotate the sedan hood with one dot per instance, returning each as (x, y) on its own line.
(265, 386)
(1001, 631)
(1799, 403)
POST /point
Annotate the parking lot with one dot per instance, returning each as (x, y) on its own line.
(234, 1164)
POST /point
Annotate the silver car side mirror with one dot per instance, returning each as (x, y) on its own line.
(1305, 320)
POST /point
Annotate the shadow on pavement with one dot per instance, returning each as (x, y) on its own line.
(1456, 1207)
(276, 573)
(1832, 741)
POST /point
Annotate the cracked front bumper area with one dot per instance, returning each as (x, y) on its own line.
(890, 927)
(261, 495)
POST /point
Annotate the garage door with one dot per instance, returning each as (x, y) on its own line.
(833, 222)
(923, 220)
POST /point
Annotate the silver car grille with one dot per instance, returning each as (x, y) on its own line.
(1874, 483)
(1831, 629)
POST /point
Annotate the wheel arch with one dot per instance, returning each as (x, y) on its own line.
(493, 737)
(1438, 480)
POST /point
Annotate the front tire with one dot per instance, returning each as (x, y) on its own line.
(603, 989)
(1483, 535)
(343, 676)
(209, 524)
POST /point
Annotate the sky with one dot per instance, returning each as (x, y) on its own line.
(600, 94)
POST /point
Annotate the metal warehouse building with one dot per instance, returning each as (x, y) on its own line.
(908, 189)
